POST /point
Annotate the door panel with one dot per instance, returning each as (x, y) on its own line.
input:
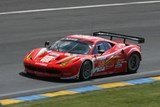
(104, 64)
(109, 64)
(120, 65)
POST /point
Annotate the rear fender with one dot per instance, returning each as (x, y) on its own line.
(134, 50)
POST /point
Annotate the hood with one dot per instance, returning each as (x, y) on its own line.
(44, 56)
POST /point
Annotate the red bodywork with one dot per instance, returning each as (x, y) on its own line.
(47, 63)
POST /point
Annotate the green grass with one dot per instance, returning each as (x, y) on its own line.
(147, 95)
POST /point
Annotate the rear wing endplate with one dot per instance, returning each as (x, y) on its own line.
(116, 35)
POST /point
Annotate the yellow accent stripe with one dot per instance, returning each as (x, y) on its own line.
(59, 93)
(156, 78)
(112, 85)
(9, 101)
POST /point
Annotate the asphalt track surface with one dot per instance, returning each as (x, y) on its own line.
(20, 33)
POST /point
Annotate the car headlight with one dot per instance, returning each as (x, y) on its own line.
(71, 61)
(64, 63)
(28, 57)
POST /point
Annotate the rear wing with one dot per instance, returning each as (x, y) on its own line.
(116, 35)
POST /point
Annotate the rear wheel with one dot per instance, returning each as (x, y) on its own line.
(133, 63)
(85, 71)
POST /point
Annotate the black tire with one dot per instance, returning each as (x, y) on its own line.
(133, 63)
(85, 72)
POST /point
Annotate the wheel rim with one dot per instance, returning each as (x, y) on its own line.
(134, 62)
(86, 71)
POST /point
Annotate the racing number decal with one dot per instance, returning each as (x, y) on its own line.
(47, 59)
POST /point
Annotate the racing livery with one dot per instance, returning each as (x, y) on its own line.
(84, 56)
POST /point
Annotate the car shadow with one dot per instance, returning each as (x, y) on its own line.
(111, 75)
(57, 80)
(48, 79)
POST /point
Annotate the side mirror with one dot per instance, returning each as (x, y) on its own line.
(46, 43)
(101, 51)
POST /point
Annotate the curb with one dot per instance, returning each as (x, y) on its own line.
(107, 79)
(84, 89)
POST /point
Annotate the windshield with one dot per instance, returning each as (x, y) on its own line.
(71, 46)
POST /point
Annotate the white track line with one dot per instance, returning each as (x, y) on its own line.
(78, 7)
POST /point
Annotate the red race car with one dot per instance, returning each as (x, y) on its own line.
(83, 56)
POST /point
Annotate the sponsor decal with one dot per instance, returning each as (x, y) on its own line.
(106, 63)
(119, 63)
(99, 65)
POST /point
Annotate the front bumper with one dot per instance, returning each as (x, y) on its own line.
(42, 71)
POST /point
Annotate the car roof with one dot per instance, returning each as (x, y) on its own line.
(88, 38)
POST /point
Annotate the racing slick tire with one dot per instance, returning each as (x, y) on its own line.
(85, 71)
(133, 63)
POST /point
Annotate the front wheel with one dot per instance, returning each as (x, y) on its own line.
(85, 71)
(133, 63)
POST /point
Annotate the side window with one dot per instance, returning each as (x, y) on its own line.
(106, 45)
(101, 46)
